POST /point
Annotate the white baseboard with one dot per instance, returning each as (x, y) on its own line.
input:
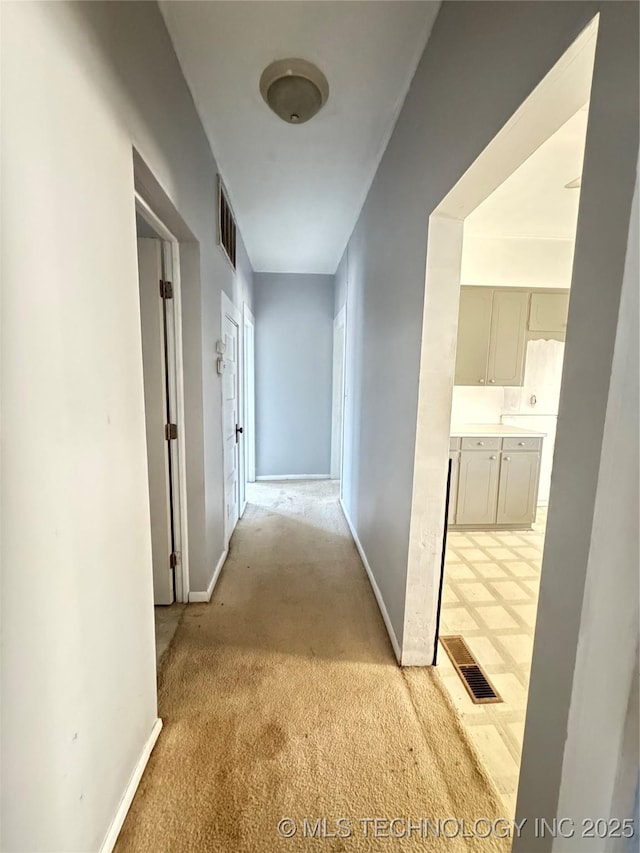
(295, 477)
(205, 597)
(127, 798)
(374, 586)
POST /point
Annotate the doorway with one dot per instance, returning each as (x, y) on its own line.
(492, 354)
(161, 350)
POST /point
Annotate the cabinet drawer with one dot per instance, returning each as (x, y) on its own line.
(454, 443)
(522, 443)
(481, 442)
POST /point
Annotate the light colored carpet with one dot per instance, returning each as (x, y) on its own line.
(282, 698)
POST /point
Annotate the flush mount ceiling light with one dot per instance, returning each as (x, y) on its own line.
(294, 89)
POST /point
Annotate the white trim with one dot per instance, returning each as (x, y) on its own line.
(129, 792)
(153, 220)
(182, 577)
(232, 310)
(374, 586)
(294, 477)
(205, 597)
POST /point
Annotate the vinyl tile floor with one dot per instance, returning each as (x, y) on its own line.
(490, 597)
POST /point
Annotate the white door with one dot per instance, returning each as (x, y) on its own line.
(231, 426)
(150, 273)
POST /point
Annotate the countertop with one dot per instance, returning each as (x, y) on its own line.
(502, 430)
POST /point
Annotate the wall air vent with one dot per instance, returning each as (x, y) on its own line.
(226, 225)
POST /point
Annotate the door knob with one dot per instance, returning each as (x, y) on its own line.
(493, 457)
(492, 381)
(481, 381)
(507, 459)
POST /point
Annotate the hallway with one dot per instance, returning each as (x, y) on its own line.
(282, 698)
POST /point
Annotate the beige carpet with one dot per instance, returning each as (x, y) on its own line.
(282, 698)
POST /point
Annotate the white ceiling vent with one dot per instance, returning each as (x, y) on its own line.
(294, 89)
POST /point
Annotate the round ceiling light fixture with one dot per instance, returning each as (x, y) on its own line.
(294, 89)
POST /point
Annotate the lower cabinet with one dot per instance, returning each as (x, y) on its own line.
(454, 456)
(518, 489)
(495, 486)
(477, 487)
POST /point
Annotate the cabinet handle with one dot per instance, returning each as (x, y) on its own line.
(507, 459)
(493, 457)
(481, 444)
(521, 444)
(492, 381)
(481, 381)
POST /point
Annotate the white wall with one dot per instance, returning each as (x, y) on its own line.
(598, 751)
(516, 261)
(294, 352)
(81, 85)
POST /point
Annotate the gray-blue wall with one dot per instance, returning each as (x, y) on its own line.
(481, 62)
(294, 347)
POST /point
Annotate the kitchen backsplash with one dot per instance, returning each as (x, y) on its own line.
(538, 396)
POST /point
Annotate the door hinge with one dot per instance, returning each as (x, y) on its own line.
(174, 559)
(166, 289)
(170, 431)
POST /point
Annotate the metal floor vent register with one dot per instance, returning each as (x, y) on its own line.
(479, 688)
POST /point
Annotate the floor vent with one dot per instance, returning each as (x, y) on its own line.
(479, 688)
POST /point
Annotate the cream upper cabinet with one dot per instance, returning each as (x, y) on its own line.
(491, 336)
(507, 338)
(548, 311)
(474, 328)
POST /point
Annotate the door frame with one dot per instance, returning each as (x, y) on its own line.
(171, 256)
(229, 309)
(249, 398)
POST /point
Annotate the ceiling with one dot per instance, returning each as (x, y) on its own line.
(297, 190)
(533, 202)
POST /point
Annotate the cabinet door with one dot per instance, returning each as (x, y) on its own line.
(477, 487)
(453, 486)
(474, 327)
(507, 341)
(518, 490)
(548, 312)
